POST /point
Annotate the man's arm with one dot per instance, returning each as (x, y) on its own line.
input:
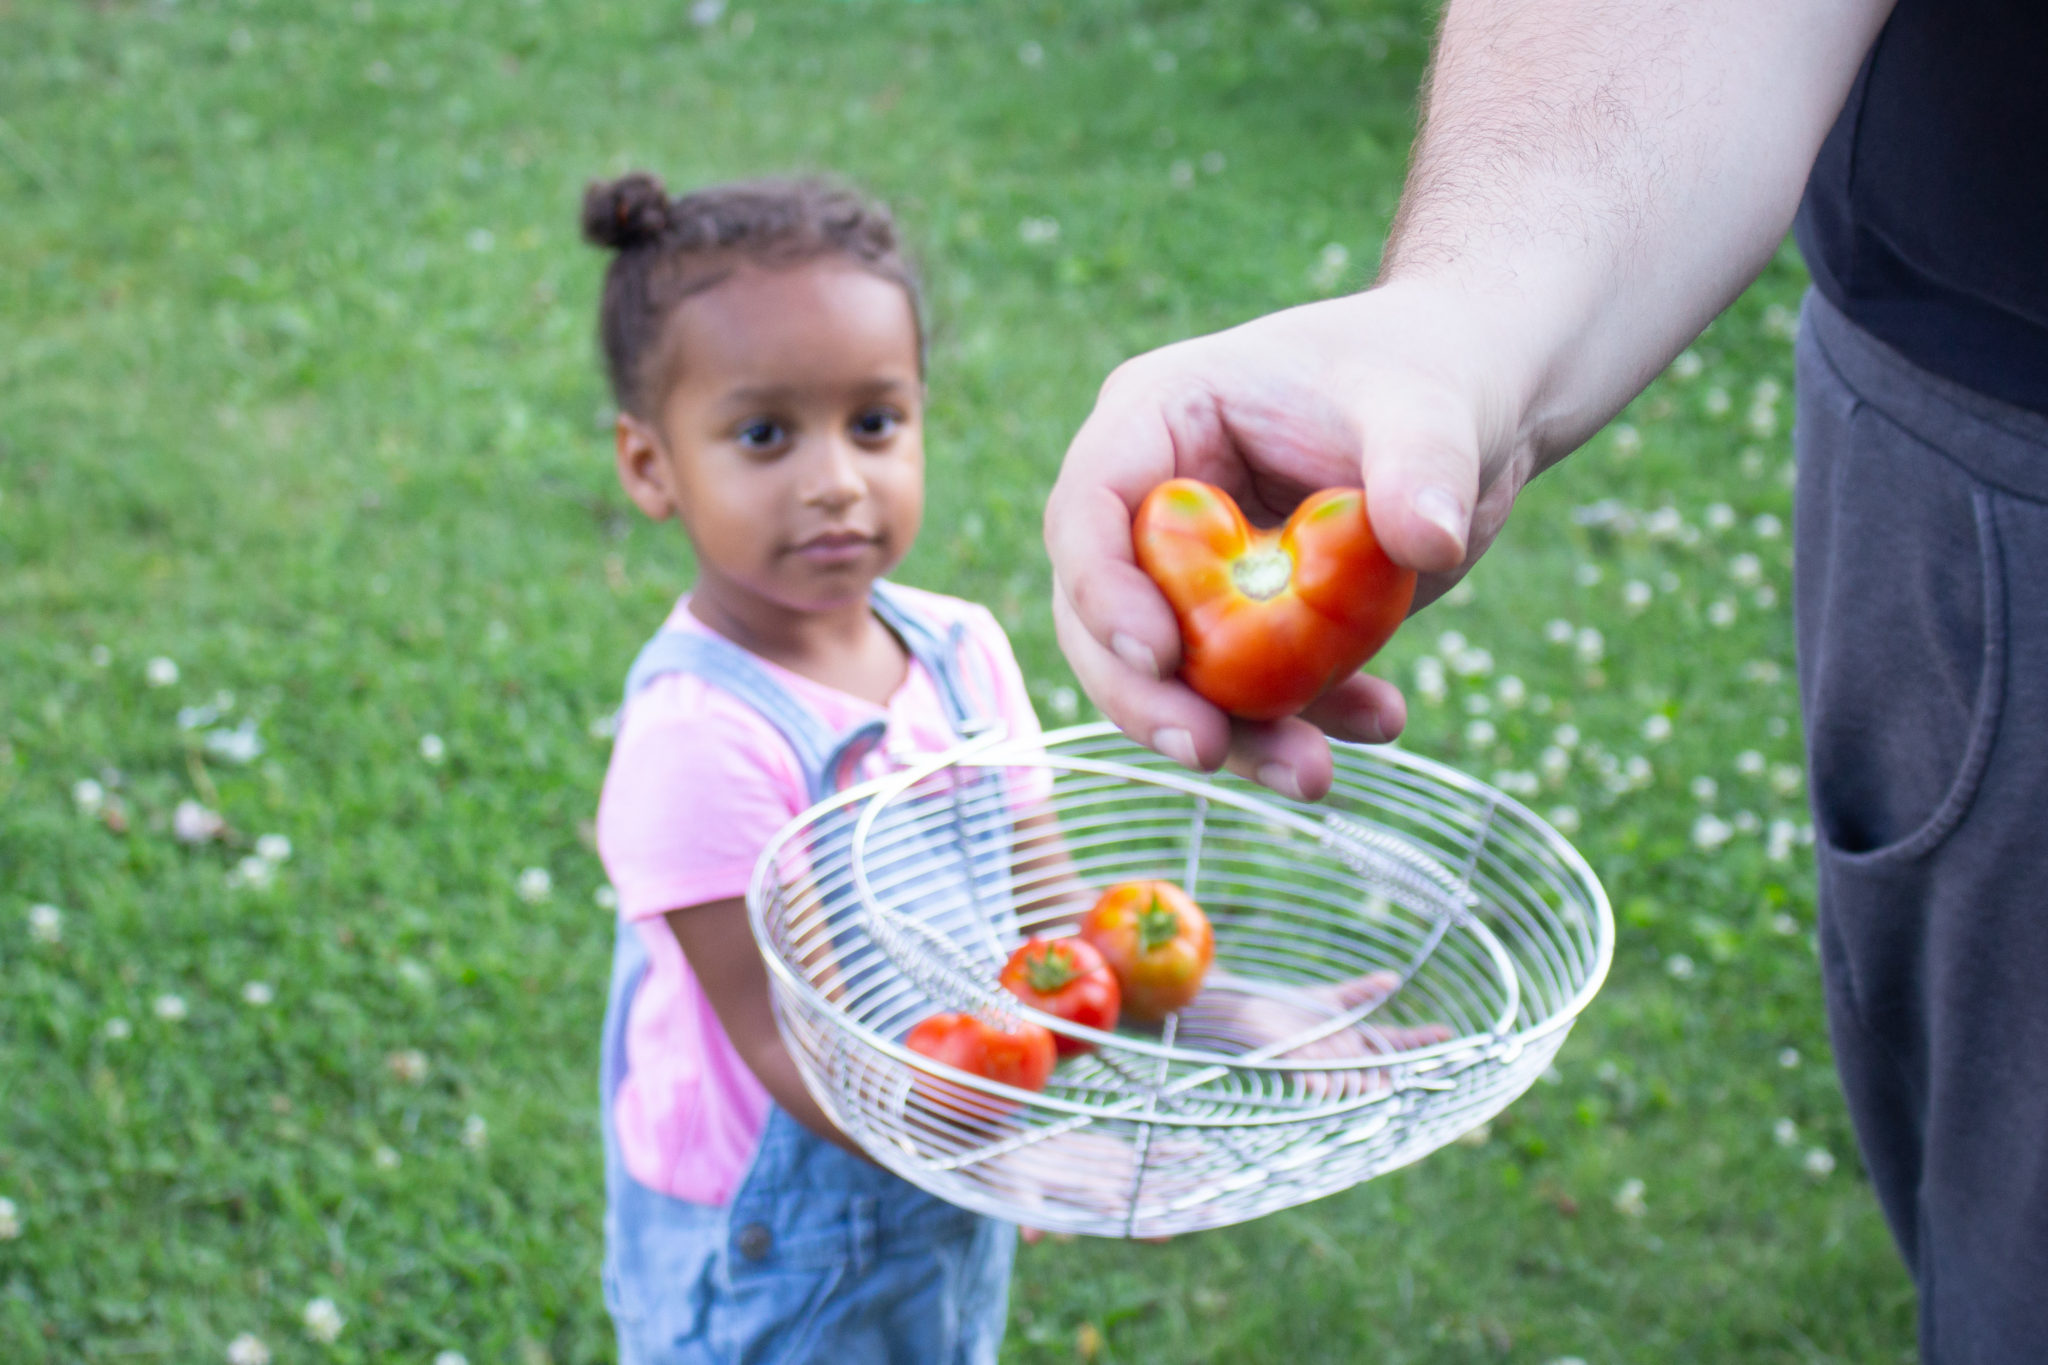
(1593, 181)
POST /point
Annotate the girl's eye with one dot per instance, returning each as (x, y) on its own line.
(762, 434)
(876, 424)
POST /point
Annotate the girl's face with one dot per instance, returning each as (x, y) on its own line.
(790, 442)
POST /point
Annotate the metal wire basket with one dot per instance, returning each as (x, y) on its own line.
(1394, 965)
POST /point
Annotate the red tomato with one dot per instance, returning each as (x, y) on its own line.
(1157, 941)
(1270, 620)
(1020, 1056)
(1065, 977)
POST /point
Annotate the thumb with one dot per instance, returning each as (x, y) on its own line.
(1421, 476)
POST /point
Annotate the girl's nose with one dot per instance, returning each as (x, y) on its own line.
(836, 480)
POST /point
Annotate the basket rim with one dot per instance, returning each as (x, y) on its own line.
(1039, 750)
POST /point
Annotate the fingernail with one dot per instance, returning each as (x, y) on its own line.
(1178, 745)
(1281, 779)
(1134, 653)
(1440, 507)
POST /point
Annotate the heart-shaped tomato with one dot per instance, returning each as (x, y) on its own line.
(1270, 620)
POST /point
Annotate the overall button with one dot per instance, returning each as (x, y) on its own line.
(755, 1241)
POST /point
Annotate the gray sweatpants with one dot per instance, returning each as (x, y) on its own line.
(1922, 606)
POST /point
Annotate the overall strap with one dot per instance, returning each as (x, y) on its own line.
(938, 648)
(725, 665)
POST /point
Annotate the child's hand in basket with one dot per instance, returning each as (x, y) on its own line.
(1258, 1021)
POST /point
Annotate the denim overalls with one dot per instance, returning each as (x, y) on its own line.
(819, 1256)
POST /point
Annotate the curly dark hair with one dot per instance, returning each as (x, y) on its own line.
(670, 248)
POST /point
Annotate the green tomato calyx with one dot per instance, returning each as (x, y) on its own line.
(1050, 969)
(1158, 925)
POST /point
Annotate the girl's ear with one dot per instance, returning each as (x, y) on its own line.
(643, 467)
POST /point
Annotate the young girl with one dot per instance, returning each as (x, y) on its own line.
(765, 348)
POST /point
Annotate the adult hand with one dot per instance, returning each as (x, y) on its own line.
(1412, 391)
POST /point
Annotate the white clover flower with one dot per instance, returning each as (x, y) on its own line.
(170, 1008)
(1710, 831)
(239, 745)
(1181, 173)
(252, 872)
(1565, 736)
(46, 924)
(1746, 569)
(192, 823)
(1636, 594)
(475, 1132)
(1559, 631)
(1764, 672)
(1588, 574)
(1722, 613)
(705, 13)
(1780, 840)
(1461, 594)
(1749, 763)
(161, 672)
(1762, 421)
(1717, 402)
(323, 1320)
(1064, 702)
(116, 1029)
(1478, 704)
(408, 1065)
(1780, 322)
(1767, 391)
(1785, 1132)
(1429, 679)
(100, 656)
(1747, 822)
(535, 885)
(1687, 365)
(1664, 524)
(1819, 1163)
(1566, 1360)
(1472, 663)
(1512, 691)
(1553, 763)
(605, 898)
(1331, 263)
(432, 749)
(10, 1220)
(1480, 734)
(1679, 967)
(1451, 644)
(89, 796)
(1590, 645)
(1785, 778)
(1704, 789)
(1784, 924)
(1656, 727)
(248, 1350)
(1628, 1200)
(453, 1357)
(1213, 163)
(1627, 440)
(1031, 53)
(1720, 517)
(1788, 1058)
(384, 1159)
(1476, 1137)
(414, 973)
(1765, 597)
(1165, 63)
(1038, 231)
(1767, 527)
(1565, 819)
(1517, 782)
(1638, 771)
(257, 993)
(274, 848)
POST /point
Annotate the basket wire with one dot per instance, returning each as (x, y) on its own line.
(1394, 965)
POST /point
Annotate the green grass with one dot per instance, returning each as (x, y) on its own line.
(297, 390)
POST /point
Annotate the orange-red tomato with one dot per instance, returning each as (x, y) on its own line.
(1270, 620)
(1157, 941)
(1020, 1056)
(1066, 978)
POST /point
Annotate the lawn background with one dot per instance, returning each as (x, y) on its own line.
(297, 391)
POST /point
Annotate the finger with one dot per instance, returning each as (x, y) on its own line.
(1290, 756)
(1368, 989)
(1362, 709)
(1030, 1235)
(1165, 715)
(1421, 475)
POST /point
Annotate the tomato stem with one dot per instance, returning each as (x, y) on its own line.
(1049, 969)
(1157, 925)
(1262, 574)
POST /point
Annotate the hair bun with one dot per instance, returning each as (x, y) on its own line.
(624, 213)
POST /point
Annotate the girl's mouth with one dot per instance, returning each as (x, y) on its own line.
(835, 547)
